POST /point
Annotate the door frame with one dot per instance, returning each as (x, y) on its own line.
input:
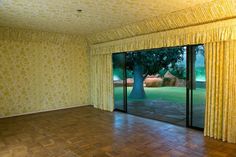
(189, 85)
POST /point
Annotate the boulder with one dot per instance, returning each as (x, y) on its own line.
(130, 82)
(169, 79)
(153, 82)
(180, 83)
(169, 75)
(118, 83)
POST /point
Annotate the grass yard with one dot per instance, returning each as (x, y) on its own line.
(171, 94)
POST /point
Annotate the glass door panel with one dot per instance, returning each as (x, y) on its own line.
(198, 87)
(119, 81)
(156, 81)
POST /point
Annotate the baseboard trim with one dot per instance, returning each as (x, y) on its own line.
(42, 111)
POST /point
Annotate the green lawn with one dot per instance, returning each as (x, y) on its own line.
(172, 94)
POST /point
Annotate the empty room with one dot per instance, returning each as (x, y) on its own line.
(117, 78)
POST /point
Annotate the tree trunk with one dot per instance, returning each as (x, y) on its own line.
(138, 89)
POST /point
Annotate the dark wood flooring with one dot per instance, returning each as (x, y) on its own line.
(89, 132)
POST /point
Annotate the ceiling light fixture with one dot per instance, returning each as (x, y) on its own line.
(79, 12)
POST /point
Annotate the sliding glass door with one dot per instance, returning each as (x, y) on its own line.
(166, 84)
(156, 84)
(197, 86)
(119, 81)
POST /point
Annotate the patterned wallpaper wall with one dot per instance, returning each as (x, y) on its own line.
(39, 74)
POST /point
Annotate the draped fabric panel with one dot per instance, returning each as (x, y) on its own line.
(212, 32)
(220, 117)
(101, 82)
(199, 14)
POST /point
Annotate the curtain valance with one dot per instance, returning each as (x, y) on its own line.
(199, 14)
(212, 32)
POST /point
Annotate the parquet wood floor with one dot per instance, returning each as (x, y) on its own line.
(89, 132)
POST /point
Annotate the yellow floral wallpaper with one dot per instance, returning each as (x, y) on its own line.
(39, 74)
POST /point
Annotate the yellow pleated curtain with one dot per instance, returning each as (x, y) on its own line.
(102, 82)
(220, 117)
(219, 39)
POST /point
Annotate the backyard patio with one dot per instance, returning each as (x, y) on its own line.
(164, 103)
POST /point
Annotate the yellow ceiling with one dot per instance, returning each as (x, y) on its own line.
(217, 10)
(97, 15)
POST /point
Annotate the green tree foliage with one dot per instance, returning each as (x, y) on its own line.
(150, 62)
(156, 60)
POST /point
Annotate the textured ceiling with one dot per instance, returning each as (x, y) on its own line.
(97, 15)
(217, 10)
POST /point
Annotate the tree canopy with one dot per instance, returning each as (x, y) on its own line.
(157, 60)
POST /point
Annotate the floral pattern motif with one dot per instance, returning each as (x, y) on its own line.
(42, 75)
